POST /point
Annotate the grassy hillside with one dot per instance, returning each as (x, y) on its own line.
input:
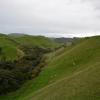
(80, 71)
(10, 45)
(72, 75)
(81, 85)
(20, 58)
(9, 50)
(39, 41)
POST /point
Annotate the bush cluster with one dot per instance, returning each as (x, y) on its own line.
(14, 74)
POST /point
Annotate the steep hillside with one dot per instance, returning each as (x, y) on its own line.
(81, 85)
(78, 72)
(72, 75)
(8, 48)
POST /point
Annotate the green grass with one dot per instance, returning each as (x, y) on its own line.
(81, 85)
(83, 82)
(10, 45)
(38, 41)
(79, 58)
(9, 48)
(72, 75)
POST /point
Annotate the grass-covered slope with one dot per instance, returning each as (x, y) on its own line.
(81, 85)
(39, 41)
(8, 48)
(72, 75)
(78, 72)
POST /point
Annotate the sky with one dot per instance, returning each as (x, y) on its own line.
(54, 18)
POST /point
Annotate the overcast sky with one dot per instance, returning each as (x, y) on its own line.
(50, 17)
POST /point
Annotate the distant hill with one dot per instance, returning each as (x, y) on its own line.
(16, 34)
(63, 40)
(40, 41)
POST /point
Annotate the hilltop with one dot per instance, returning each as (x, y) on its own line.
(39, 41)
(16, 34)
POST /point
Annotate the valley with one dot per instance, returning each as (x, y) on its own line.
(67, 72)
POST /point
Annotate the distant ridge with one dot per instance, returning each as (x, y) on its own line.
(16, 34)
(63, 40)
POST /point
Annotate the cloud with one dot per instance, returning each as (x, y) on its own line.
(49, 17)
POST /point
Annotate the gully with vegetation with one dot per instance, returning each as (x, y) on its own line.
(14, 73)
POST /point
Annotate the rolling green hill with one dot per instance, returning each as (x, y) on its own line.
(39, 41)
(10, 45)
(71, 75)
(8, 48)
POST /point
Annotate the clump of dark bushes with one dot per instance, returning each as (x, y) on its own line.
(14, 74)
